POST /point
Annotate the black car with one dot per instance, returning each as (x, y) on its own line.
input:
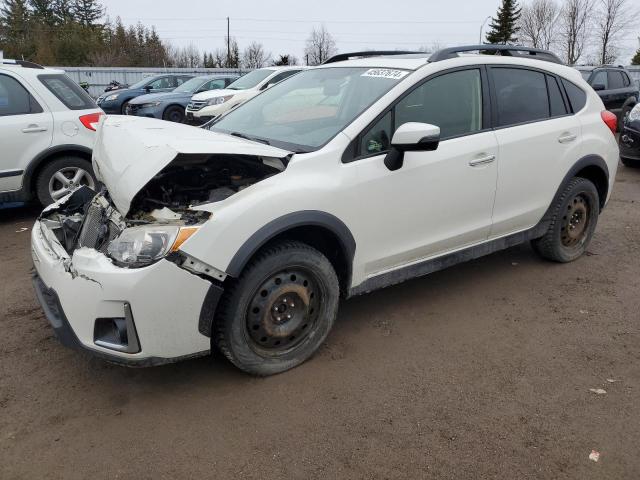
(616, 88)
(630, 139)
(116, 101)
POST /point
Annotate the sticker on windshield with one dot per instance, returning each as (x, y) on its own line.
(385, 73)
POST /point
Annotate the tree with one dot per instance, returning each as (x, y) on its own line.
(14, 28)
(636, 58)
(232, 55)
(505, 25)
(284, 60)
(575, 19)
(87, 12)
(254, 56)
(42, 11)
(612, 18)
(538, 27)
(63, 11)
(320, 46)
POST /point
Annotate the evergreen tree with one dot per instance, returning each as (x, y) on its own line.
(505, 25)
(14, 28)
(63, 11)
(87, 12)
(42, 11)
(636, 58)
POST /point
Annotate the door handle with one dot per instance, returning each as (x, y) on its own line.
(34, 128)
(567, 137)
(483, 160)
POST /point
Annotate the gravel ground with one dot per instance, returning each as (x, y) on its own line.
(480, 371)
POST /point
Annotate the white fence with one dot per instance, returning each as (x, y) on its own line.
(99, 77)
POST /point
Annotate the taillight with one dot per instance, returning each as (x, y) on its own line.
(91, 120)
(610, 119)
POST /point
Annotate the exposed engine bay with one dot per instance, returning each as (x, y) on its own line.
(196, 179)
(90, 219)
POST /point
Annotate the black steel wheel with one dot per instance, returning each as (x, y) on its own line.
(573, 223)
(280, 310)
(174, 113)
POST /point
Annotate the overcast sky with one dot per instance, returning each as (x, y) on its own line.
(282, 26)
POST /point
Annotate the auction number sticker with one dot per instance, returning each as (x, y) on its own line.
(385, 73)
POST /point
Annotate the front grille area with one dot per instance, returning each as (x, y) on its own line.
(97, 231)
(196, 105)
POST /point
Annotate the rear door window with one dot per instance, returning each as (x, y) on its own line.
(521, 96)
(556, 102)
(15, 99)
(577, 97)
(615, 79)
(68, 92)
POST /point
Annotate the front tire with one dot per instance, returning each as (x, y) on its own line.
(174, 114)
(280, 310)
(574, 220)
(62, 176)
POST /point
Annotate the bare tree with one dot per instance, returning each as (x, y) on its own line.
(320, 46)
(613, 17)
(185, 57)
(573, 25)
(432, 47)
(254, 56)
(538, 27)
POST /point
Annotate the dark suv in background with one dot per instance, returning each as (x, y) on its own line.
(616, 88)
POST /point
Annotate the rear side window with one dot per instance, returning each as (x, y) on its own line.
(521, 96)
(626, 80)
(577, 97)
(14, 98)
(600, 79)
(556, 103)
(615, 79)
(68, 92)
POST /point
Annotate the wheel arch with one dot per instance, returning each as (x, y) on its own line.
(47, 156)
(321, 230)
(591, 167)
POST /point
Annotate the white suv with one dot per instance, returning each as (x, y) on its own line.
(205, 106)
(47, 129)
(346, 178)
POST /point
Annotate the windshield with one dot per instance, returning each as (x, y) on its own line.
(251, 79)
(190, 86)
(310, 108)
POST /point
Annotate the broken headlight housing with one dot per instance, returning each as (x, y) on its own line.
(141, 246)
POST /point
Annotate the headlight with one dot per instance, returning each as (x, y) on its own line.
(112, 97)
(219, 100)
(634, 114)
(140, 246)
(149, 105)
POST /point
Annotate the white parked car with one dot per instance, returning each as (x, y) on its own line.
(346, 178)
(205, 106)
(47, 131)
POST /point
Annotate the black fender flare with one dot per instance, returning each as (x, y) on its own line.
(287, 222)
(584, 162)
(43, 156)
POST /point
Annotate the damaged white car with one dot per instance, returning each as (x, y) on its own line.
(345, 178)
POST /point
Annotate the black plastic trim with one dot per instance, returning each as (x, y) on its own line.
(11, 173)
(287, 222)
(440, 263)
(505, 50)
(50, 304)
(208, 310)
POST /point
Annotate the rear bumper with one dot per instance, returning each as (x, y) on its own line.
(166, 302)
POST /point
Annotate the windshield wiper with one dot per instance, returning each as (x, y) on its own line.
(253, 139)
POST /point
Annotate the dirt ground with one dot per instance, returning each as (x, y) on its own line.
(479, 371)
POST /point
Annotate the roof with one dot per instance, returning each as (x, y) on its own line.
(27, 70)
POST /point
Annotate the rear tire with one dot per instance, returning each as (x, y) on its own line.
(62, 176)
(575, 216)
(628, 162)
(174, 114)
(280, 310)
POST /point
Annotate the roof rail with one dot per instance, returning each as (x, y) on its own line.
(22, 63)
(371, 53)
(505, 50)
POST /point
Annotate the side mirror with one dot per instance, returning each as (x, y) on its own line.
(598, 86)
(411, 137)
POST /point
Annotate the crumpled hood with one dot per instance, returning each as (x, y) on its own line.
(130, 151)
(159, 97)
(215, 93)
